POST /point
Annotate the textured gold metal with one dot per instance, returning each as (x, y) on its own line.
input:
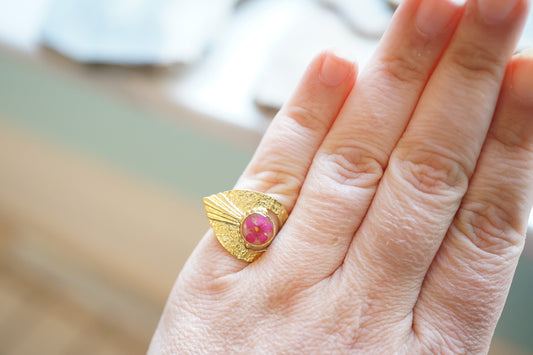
(226, 212)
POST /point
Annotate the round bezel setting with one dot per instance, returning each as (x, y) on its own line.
(258, 229)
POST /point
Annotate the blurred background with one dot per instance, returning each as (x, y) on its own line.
(116, 117)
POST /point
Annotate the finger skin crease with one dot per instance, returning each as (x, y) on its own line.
(401, 66)
(473, 63)
(511, 141)
(491, 230)
(351, 167)
(448, 338)
(283, 185)
(306, 118)
(431, 173)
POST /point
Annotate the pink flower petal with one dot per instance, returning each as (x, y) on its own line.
(260, 220)
(267, 227)
(250, 237)
(250, 223)
(262, 238)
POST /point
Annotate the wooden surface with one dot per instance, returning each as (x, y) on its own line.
(124, 228)
(111, 244)
(37, 319)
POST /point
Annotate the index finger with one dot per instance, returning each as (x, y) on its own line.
(284, 155)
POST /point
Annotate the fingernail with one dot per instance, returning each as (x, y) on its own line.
(523, 76)
(433, 16)
(495, 11)
(335, 69)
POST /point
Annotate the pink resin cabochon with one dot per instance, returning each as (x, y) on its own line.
(258, 229)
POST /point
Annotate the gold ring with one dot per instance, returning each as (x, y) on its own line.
(245, 222)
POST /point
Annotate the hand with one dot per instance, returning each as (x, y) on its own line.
(408, 193)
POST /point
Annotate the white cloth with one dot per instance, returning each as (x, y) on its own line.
(134, 31)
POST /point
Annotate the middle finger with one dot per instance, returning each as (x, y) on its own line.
(430, 168)
(347, 168)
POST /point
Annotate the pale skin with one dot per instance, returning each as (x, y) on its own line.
(408, 187)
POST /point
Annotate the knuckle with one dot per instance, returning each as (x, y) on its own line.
(352, 166)
(402, 67)
(491, 228)
(474, 61)
(430, 173)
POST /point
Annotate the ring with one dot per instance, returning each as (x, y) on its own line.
(245, 222)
